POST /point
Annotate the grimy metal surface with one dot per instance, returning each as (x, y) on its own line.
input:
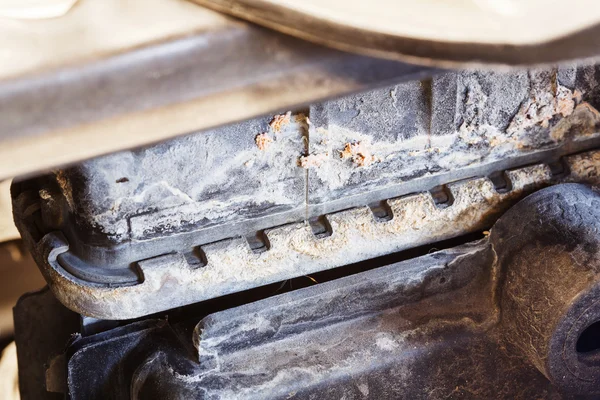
(110, 76)
(511, 316)
(225, 210)
(356, 150)
(230, 265)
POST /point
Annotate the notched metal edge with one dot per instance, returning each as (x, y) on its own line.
(169, 280)
(119, 255)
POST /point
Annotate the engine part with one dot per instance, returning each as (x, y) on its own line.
(120, 237)
(162, 262)
(43, 328)
(547, 248)
(476, 321)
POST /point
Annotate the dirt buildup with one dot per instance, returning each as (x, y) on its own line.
(263, 141)
(65, 186)
(279, 121)
(565, 103)
(583, 121)
(360, 154)
(312, 160)
(547, 99)
(302, 118)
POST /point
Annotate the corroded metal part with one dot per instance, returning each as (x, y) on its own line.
(238, 207)
(511, 316)
(547, 250)
(534, 281)
(353, 151)
(293, 250)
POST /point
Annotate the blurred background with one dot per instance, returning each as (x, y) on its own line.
(18, 275)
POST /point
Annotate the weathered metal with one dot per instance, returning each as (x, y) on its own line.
(293, 250)
(218, 212)
(506, 317)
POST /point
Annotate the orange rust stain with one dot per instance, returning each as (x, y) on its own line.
(263, 141)
(359, 153)
(279, 121)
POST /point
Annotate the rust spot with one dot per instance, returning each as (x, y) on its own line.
(263, 141)
(279, 121)
(582, 121)
(359, 153)
(542, 107)
(565, 103)
(312, 160)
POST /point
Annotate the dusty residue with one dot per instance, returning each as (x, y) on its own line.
(386, 341)
(337, 170)
(295, 251)
(475, 103)
(65, 185)
(565, 101)
(263, 141)
(584, 167)
(417, 219)
(583, 121)
(312, 160)
(254, 181)
(217, 171)
(351, 150)
(430, 150)
(547, 99)
(279, 121)
(481, 121)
